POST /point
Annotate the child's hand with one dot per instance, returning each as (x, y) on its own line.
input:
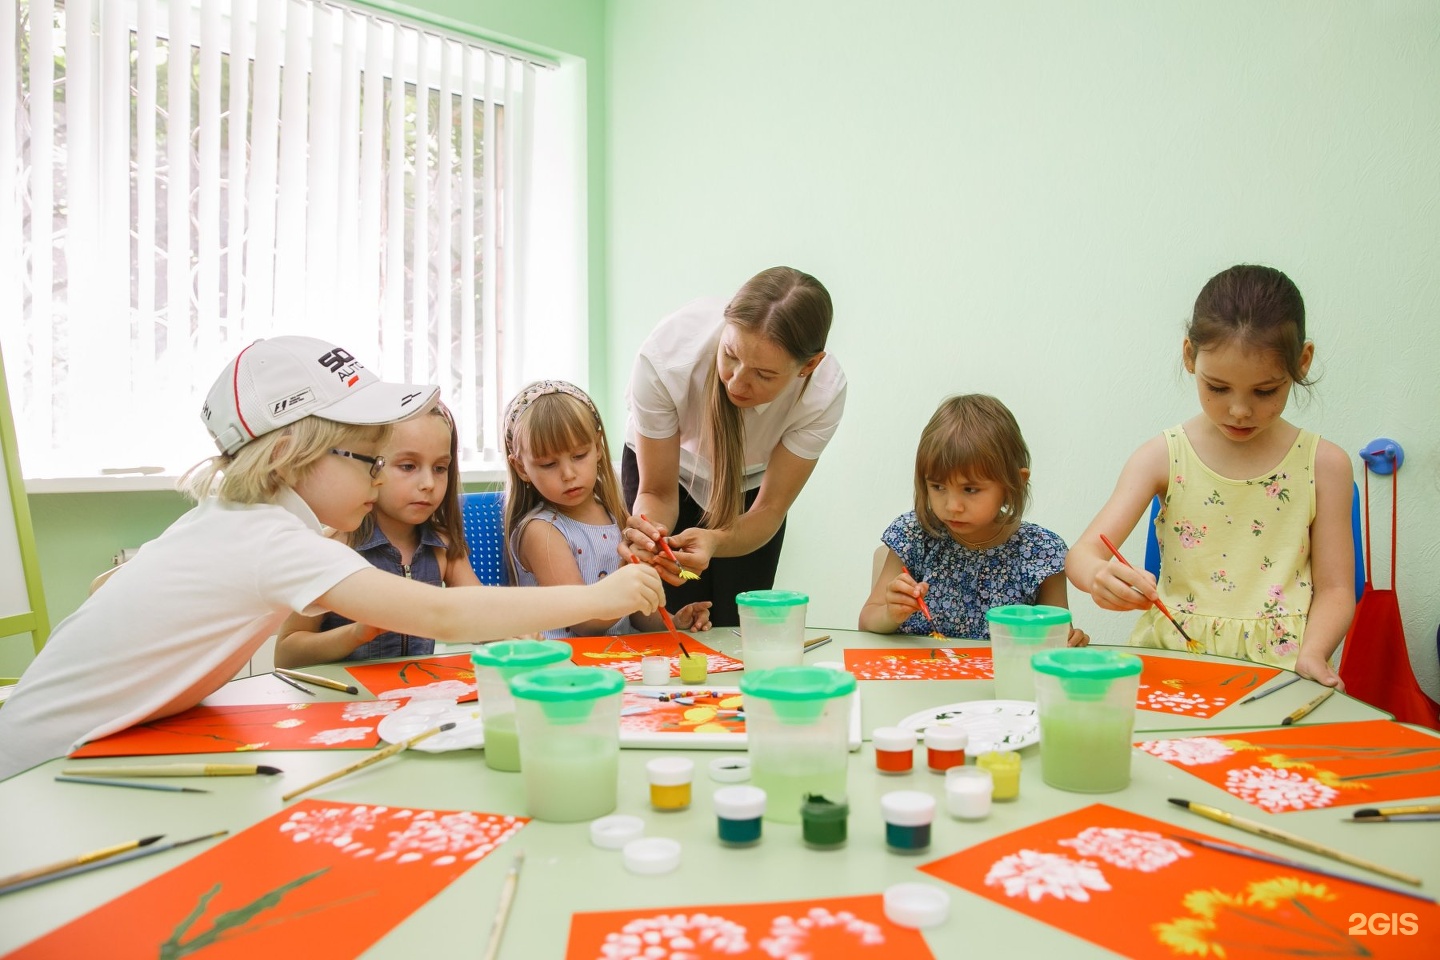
(1121, 587)
(902, 597)
(1078, 638)
(1317, 668)
(694, 616)
(641, 541)
(635, 586)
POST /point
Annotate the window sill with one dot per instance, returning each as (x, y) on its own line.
(490, 474)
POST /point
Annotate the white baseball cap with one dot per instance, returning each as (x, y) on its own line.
(281, 380)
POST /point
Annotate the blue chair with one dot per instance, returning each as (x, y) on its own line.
(483, 515)
(1152, 546)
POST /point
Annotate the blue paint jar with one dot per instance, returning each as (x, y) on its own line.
(908, 816)
(738, 812)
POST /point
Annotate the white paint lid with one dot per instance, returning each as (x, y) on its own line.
(730, 769)
(613, 832)
(739, 802)
(670, 771)
(907, 808)
(916, 905)
(893, 738)
(651, 855)
(946, 737)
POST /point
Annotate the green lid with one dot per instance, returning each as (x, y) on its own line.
(567, 694)
(1027, 624)
(771, 598)
(1085, 673)
(529, 654)
(798, 694)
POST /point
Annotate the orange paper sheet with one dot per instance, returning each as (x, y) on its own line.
(1081, 871)
(431, 678)
(1197, 688)
(316, 880)
(1312, 766)
(835, 927)
(934, 663)
(623, 653)
(242, 728)
(711, 711)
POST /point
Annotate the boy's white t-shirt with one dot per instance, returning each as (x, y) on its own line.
(172, 625)
(667, 396)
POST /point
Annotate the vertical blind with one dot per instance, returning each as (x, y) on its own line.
(194, 174)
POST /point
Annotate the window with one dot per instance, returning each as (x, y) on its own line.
(320, 170)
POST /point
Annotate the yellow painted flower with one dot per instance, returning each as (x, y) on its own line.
(1269, 893)
(1281, 762)
(1208, 903)
(1189, 937)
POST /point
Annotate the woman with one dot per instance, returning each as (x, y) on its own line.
(730, 405)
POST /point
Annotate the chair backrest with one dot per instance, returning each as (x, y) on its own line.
(483, 515)
(1152, 545)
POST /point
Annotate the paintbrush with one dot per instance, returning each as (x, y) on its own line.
(110, 861)
(1295, 865)
(924, 607)
(133, 784)
(1394, 818)
(376, 757)
(1279, 686)
(317, 680)
(1396, 811)
(50, 869)
(1260, 830)
(1190, 645)
(174, 770)
(1304, 709)
(670, 555)
(502, 911)
(297, 685)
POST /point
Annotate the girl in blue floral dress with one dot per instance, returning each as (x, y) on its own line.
(965, 547)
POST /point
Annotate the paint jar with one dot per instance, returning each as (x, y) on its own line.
(654, 671)
(738, 813)
(772, 628)
(670, 779)
(894, 749)
(496, 664)
(1086, 701)
(968, 791)
(797, 724)
(1004, 767)
(569, 724)
(694, 667)
(824, 823)
(908, 815)
(945, 747)
(1017, 632)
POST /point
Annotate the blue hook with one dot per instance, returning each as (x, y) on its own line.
(1383, 456)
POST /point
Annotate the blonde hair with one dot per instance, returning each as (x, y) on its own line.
(794, 310)
(447, 520)
(974, 436)
(548, 423)
(259, 470)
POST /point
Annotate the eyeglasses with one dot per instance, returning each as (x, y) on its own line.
(376, 463)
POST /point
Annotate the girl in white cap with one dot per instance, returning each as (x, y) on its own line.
(299, 424)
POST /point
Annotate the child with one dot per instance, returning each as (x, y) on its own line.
(562, 503)
(415, 532)
(299, 424)
(1254, 526)
(965, 539)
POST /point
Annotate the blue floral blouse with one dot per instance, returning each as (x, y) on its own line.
(965, 583)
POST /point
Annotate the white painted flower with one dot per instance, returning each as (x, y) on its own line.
(365, 709)
(675, 936)
(400, 835)
(1142, 850)
(340, 735)
(439, 690)
(1035, 875)
(1188, 751)
(789, 936)
(1277, 790)
(287, 724)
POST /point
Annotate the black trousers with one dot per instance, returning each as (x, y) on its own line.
(726, 576)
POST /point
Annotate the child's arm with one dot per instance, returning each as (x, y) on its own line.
(459, 572)
(301, 643)
(893, 597)
(480, 614)
(658, 499)
(1089, 565)
(546, 554)
(692, 616)
(1332, 567)
(1054, 593)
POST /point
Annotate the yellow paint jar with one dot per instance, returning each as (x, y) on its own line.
(670, 779)
(1004, 767)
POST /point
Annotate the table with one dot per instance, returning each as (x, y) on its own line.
(563, 873)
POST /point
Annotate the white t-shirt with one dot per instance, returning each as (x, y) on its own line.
(172, 625)
(667, 396)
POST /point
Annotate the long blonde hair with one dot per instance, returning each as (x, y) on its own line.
(794, 310)
(545, 418)
(257, 471)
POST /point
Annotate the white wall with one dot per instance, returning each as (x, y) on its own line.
(1024, 199)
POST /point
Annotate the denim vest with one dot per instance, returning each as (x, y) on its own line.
(424, 566)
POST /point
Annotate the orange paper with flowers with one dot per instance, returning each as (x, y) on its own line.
(1196, 688)
(1081, 871)
(846, 927)
(242, 728)
(929, 663)
(433, 678)
(317, 880)
(623, 653)
(1312, 766)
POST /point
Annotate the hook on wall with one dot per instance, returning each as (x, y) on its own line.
(1382, 456)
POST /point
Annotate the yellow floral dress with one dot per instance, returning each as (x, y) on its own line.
(1234, 556)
